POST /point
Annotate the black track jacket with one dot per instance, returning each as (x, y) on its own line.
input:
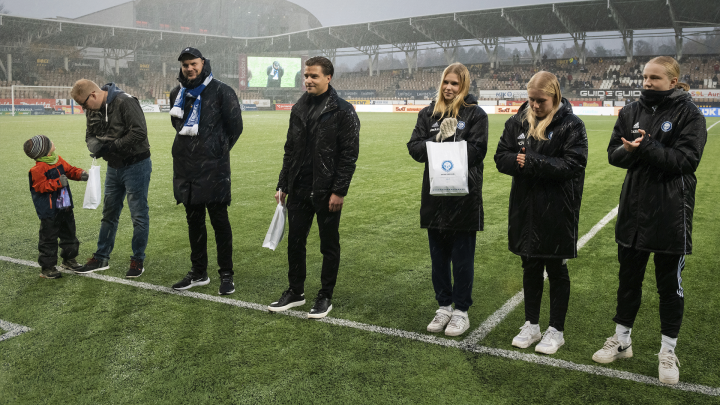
(658, 195)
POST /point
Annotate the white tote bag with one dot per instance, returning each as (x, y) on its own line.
(277, 228)
(93, 193)
(448, 166)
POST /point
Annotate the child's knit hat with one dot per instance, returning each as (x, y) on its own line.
(37, 146)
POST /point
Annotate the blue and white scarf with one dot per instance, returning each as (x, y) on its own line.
(191, 124)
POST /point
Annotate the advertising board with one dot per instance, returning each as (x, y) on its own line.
(260, 103)
(710, 112)
(46, 102)
(408, 108)
(283, 107)
(710, 93)
(248, 107)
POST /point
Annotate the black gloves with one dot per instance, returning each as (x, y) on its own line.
(107, 149)
(84, 176)
(63, 180)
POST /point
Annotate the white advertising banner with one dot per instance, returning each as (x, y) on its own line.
(373, 108)
(259, 103)
(709, 93)
(503, 94)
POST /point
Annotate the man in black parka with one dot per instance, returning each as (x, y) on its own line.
(207, 120)
(320, 154)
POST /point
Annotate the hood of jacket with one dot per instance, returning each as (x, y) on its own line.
(677, 96)
(112, 91)
(565, 109)
(191, 84)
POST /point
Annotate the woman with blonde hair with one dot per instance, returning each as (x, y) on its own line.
(544, 148)
(452, 222)
(659, 140)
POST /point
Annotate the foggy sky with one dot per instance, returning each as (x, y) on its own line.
(329, 13)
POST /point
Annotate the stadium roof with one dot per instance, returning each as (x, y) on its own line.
(528, 22)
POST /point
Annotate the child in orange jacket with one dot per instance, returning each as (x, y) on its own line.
(53, 202)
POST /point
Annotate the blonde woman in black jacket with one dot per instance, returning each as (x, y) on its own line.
(544, 148)
(659, 140)
(452, 222)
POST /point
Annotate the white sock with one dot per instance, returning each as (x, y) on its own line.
(623, 334)
(668, 343)
(459, 312)
(447, 308)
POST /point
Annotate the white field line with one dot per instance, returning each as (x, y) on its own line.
(420, 337)
(12, 329)
(709, 128)
(494, 320)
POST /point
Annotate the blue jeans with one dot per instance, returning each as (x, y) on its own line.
(458, 248)
(134, 181)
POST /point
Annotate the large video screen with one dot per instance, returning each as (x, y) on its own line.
(274, 72)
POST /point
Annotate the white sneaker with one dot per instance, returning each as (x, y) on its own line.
(442, 317)
(612, 350)
(551, 341)
(668, 369)
(528, 335)
(459, 323)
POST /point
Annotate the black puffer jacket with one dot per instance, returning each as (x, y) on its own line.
(201, 163)
(463, 213)
(546, 194)
(658, 195)
(337, 144)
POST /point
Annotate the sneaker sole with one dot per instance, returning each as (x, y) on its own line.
(64, 267)
(91, 271)
(622, 355)
(672, 381)
(286, 307)
(548, 350)
(141, 273)
(50, 278)
(321, 315)
(525, 345)
(431, 330)
(227, 293)
(456, 333)
(198, 284)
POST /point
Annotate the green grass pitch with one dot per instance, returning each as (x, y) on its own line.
(99, 342)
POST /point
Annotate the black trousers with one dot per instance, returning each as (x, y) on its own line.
(456, 248)
(61, 227)
(301, 212)
(198, 236)
(533, 283)
(668, 276)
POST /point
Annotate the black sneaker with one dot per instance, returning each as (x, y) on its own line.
(71, 264)
(93, 265)
(192, 279)
(136, 269)
(227, 286)
(321, 308)
(50, 273)
(288, 300)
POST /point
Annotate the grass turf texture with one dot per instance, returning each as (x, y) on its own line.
(94, 341)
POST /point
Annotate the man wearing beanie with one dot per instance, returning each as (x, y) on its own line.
(207, 120)
(53, 203)
(116, 132)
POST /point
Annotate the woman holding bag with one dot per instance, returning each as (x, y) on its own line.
(452, 222)
(544, 148)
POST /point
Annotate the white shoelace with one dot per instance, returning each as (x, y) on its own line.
(526, 331)
(457, 322)
(668, 360)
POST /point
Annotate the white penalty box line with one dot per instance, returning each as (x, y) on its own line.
(12, 329)
(415, 336)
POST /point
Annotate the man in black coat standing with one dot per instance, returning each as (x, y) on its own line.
(319, 162)
(207, 120)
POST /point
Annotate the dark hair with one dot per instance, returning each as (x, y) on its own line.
(327, 66)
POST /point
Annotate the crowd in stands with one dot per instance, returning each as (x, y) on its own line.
(700, 72)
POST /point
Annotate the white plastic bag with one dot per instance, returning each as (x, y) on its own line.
(277, 228)
(93, 193)
(448, 167)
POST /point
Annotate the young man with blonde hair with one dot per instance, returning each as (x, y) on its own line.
(116, 132)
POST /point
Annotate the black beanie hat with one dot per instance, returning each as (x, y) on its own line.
(37, 146)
